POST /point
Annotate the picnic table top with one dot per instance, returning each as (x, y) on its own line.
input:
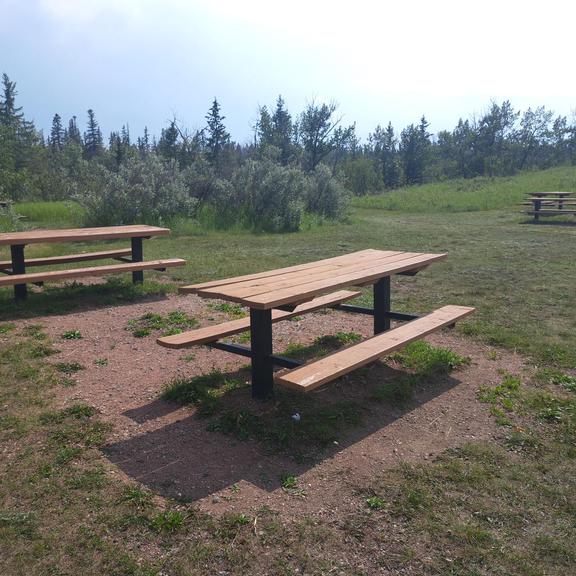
(303, 282)
(79, 234)
(550, 193)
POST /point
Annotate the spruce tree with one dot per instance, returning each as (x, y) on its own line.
(73, 135)
(217, 138)
(92, 137)
(57, 134)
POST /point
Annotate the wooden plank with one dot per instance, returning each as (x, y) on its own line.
(193, 288)
(303, 292)
(88, 271)
(213, 333)
(550, 193)
(314, 374)
(79, 234)
(83, 257)
(549, 212)
(251, 288)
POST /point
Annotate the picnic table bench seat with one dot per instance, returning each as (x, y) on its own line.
(67, 259)
(213, 333)
(37, 277)
(314, 374)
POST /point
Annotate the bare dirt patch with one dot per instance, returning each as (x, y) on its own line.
(169, 449)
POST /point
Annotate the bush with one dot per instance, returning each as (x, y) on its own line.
(143, 191)
(326, 195)
(271, 197)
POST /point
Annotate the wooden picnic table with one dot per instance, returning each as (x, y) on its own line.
(550, 204)
(278, 294)
(15, 268)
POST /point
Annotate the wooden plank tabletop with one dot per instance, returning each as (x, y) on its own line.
(300, 283)
(551, 193)
(79, 234)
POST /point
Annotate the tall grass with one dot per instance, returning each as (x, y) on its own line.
(472, 195)
(51, 214)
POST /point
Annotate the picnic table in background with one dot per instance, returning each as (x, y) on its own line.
(277, 295)
(550, 204)
(131, 259)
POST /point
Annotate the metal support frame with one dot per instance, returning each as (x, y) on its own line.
(401, 316)
(137, 256)
(281, 361)
(382, 305)
(19, 267)
(261, 353)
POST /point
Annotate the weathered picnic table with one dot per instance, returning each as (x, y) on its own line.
(550, 204)
(132, 258)
(277, 295)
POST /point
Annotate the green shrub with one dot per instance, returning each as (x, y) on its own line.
(143, 191)
(272, 195)
(326, 195)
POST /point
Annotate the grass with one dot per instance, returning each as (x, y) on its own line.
(500, 507)
(172, 323)
(473, 195)
(65, 214)
(503, 507)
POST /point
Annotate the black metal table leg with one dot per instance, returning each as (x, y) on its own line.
(137, 256)
(261, 353)
(382, 305)
(19, 267)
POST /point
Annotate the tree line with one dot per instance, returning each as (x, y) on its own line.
(308, 162)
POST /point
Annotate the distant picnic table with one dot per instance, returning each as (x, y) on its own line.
(550, 204)
(277, 295)
(132, 259)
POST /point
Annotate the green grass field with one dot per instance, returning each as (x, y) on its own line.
(501, 507)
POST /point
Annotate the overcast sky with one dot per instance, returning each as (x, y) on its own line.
(141, 62)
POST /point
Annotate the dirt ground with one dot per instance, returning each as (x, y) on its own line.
(169, 449)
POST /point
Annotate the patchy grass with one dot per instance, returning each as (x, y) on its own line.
(69, 367)
(172, 323)
(202, 391)
(427, 360)
(235, 311)
(321, 346)
(320, 424)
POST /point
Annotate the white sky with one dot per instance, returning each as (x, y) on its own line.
(142, 61)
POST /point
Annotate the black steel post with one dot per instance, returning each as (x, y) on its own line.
(19, 267)
(382, 305)
(261, 347)
(137, 256)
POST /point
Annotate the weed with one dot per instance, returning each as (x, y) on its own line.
(69, 367)
(136, 495)
(557, 377)
(7, 327)
(71, 335)
(173, 323)
(101, 362)
(427, 360)
(375, 503)
(288, 481)
(168, 521)
(232, 310)
(504, 396)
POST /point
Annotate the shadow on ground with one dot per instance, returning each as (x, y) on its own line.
(73, 298)
(186, 460)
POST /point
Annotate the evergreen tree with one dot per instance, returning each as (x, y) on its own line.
(217, 138)
(168, 143)
(73, 135)
(283, 132)
(56, 134)
(93, 145)
(143, 142)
